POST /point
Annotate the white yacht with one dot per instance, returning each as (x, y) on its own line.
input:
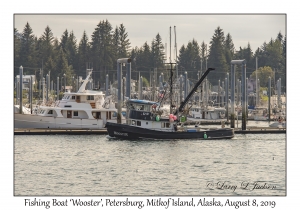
(85, 109)
(207, 114)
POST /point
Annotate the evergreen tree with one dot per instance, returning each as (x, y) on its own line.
(182, 60)
(216, 58)
(229, 50)
(47, 43)
(64, 41)
(116, 44)
(143, 59)
(83, 55)
(27, 51)
(71, 48)
(124, 42)
(245, 54)
(157, 53)
(102, 49)
(17, 50)
(62, 67)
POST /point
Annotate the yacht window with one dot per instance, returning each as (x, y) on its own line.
(90, 97)
(167, 125)
(138, 123)
(73, 97)
(50, 112)
(162, 125)
(114, 114)
(75, 113)
(77, 97)
(124, 114)
(133, 122)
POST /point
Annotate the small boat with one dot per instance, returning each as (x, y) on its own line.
(260, 114)
(280, 122)
(145, 121)
(84, 109)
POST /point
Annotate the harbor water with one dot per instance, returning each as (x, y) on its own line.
(95, 165)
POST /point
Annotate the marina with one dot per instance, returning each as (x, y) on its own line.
(101, 117)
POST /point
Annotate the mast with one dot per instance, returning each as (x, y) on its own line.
(171, 86)
(170, 45)
(193, 90)
(176, 52)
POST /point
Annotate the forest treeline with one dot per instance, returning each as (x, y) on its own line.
(106, 44)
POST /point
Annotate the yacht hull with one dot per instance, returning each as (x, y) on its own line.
(125, 131)
(36, 121)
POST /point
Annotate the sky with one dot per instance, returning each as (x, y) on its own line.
(254, 29)
(242, 28)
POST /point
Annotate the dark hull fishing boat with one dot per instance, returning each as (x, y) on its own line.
(145, 121)
(133, 132)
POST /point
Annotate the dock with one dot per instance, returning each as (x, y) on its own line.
(48, 131)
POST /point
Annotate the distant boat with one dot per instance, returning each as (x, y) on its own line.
(207, 114)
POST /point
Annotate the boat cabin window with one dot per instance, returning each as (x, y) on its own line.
(140, 107)
(133, 122)
(115, 114)
(75, 113)
(97, 115)
(90, 97)
(165, 125)
(73, 97)
(50, 112)
(138, 123)
(132, 106)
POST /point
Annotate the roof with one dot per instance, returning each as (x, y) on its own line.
(142, 101)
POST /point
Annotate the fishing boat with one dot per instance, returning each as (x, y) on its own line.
(145, 121)
(84, 109)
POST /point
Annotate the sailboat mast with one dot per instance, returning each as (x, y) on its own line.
(171, 89)
(170, 45)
